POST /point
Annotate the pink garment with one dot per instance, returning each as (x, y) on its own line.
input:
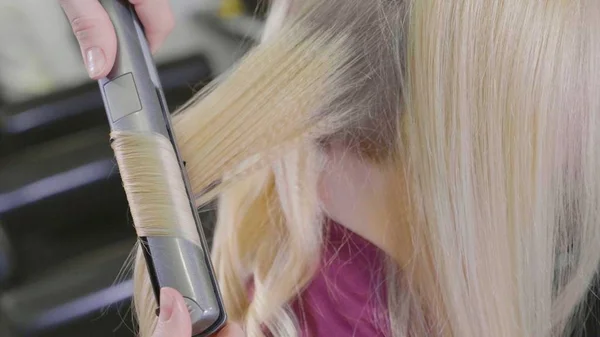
(347, 296)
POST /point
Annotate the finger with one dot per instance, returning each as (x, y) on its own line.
(231, 330)
(157, 18)
(174, 319)
(95, 34)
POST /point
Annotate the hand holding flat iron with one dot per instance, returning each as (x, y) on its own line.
(174, 319)
(96, 35)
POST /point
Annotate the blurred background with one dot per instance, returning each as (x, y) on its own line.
(65, 232)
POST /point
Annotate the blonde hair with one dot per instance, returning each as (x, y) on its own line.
(485, 114)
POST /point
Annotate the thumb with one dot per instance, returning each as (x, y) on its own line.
(94, 32)
(174, 319)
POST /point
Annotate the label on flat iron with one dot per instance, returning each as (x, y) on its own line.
(122, 97)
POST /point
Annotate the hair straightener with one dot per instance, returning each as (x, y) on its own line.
(134, 101)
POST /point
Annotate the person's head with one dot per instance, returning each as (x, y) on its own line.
(482, 116)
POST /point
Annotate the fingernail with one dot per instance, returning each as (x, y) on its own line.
(167, 306)
(95, 61)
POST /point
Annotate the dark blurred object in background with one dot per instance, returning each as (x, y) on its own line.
(257, 8)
